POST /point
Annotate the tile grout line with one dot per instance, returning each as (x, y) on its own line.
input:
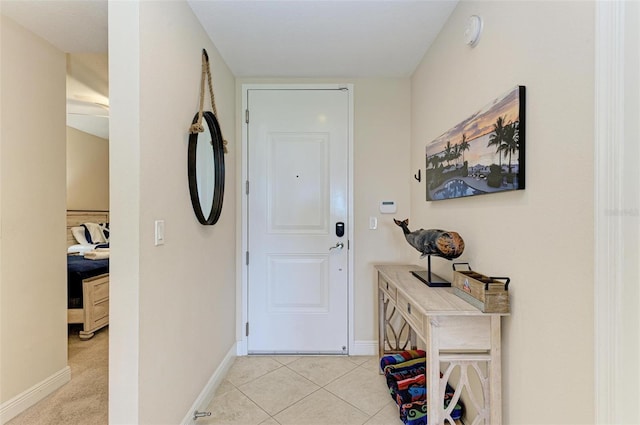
(285, 408)
(323, 387)
(353, 367)
(249, 398)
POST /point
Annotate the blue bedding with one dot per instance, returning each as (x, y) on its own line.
(78, 269)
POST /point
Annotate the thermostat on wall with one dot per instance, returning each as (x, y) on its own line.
(388, 207)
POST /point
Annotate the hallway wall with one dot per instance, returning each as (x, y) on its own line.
(541, 237)
(33, 317)
(172, 305)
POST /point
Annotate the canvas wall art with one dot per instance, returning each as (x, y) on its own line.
(482, 154)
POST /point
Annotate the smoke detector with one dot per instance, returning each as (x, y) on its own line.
(472, 30)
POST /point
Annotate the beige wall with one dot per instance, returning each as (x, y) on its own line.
(33, 343)
(87, 171)
(541, 237)
(381, 172)
(173, 306)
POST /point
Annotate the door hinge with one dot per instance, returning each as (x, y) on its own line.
(246, 116)
(247, 329)
(247, 259)
(246, 187)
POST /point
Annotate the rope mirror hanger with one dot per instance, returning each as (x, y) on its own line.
(205, 160)
(206, 72)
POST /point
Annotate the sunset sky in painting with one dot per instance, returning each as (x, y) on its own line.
(478, 125)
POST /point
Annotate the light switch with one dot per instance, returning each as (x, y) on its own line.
(373, 223)
(159, 232)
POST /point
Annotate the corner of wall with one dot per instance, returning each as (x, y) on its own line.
(206, 395)
(21, 402)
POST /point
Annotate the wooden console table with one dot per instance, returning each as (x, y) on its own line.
(460, 341)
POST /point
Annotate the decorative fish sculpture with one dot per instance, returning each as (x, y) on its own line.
(436, 242)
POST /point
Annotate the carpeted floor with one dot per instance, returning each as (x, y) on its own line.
(83, 400)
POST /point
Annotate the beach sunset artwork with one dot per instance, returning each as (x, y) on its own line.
(482, 154)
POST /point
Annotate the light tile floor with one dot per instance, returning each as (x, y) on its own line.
(305, 390)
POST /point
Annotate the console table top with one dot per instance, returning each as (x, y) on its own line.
(430, 301)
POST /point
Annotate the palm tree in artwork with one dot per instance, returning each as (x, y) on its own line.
(448, 150)
(511, 142)
(464, 145)
(497, 137)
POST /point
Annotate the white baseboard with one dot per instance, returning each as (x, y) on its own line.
(207, 393)
(364, 348)
(18, 404)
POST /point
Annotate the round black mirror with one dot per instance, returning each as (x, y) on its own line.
(205, 166)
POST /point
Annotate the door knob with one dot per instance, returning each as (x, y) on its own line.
(339, 245)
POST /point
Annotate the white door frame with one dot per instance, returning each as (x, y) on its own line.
(243, 242)
(610, 210)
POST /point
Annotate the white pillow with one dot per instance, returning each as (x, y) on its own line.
(78, 233)
(96, 232)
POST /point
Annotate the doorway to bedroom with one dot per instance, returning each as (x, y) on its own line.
(88, 208)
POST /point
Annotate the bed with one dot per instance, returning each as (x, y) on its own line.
(87, 279)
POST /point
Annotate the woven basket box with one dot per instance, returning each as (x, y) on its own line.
(488, 294)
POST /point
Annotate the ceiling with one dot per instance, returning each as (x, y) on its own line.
(73, 26)
(78, 27)
(256, 38)
(88, 93)
(322, 38)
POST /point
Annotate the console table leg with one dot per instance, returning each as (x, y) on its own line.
(382, 326)
(495, 373)
(434, 398)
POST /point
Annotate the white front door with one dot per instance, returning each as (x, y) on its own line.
(298, 179)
